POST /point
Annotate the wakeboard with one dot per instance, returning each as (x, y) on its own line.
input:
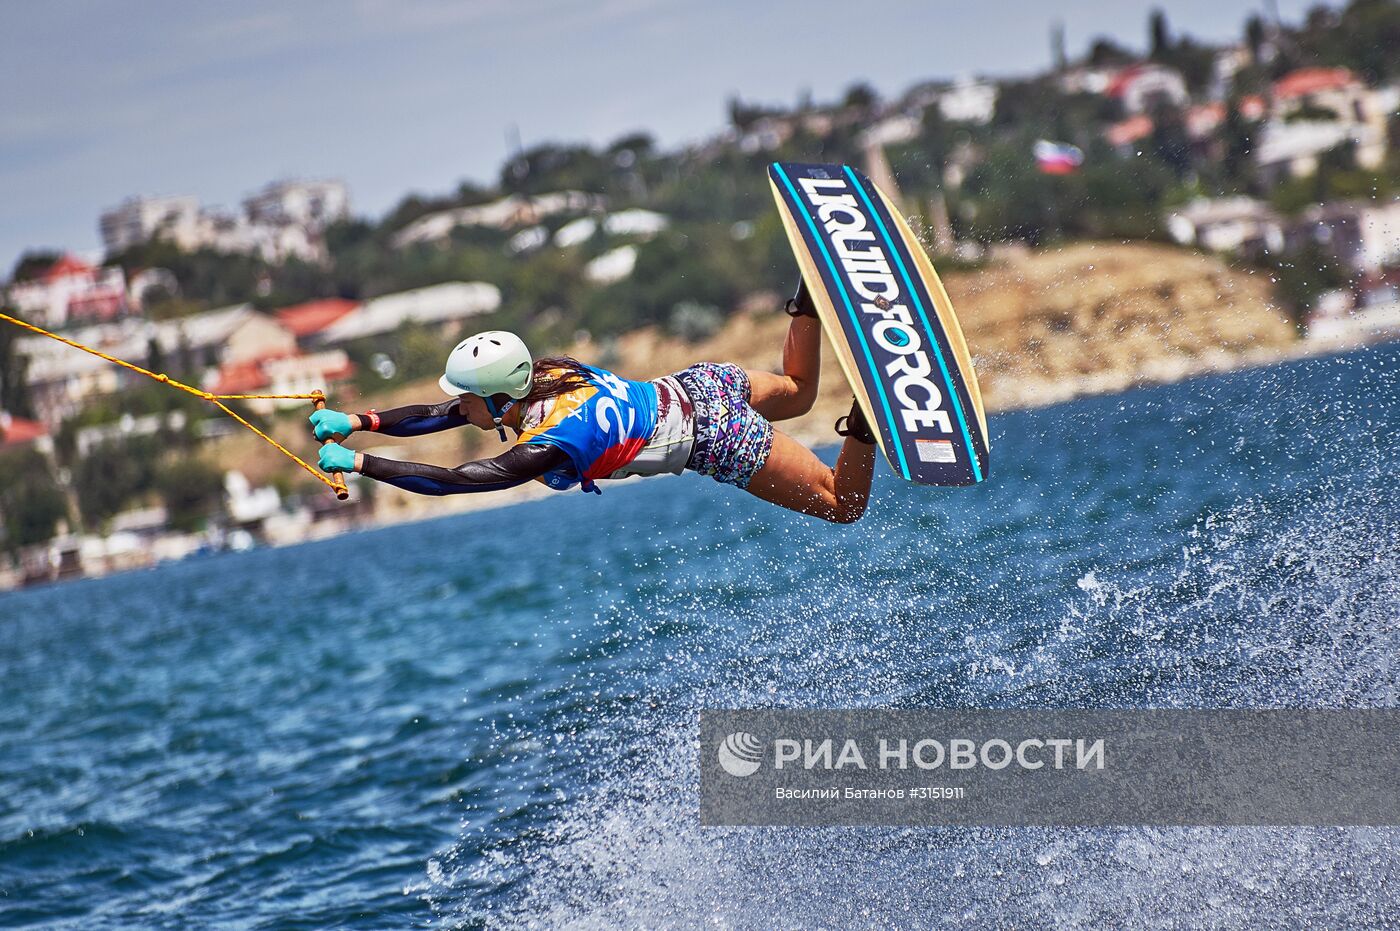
(885, 311)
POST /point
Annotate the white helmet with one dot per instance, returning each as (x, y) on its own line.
(494, 362)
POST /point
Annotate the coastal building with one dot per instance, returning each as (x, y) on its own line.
(528, 240)
(969, 101)
(310, 205)
(1293, 149)
(72, 291)
(1142, 87)
(16, 432)
(613, 265)
(575, 232)
(1369, 313)
(1360, 234)
(1202, 122)
(1084, 79)
(436, 305)
(274, 243)
(296, 373)
(1334, 89)
(643, 224)
(892, 130)
(60, 379)
(284, 220)
(1228, 224)
(306, 321)
(220, 337)
(138, 220)
(506, 214)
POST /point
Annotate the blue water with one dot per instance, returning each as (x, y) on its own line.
(490, 720)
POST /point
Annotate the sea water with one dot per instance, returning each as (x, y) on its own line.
(491, 719)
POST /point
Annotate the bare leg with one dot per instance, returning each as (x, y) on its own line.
(781, 397)
(796, 479)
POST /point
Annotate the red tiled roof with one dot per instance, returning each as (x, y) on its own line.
(1129, 131)
(1200, 121)
(1118, 86)
(314, 316)
(241, 378)
(1306, 81)
(66, 266)
(17, 430)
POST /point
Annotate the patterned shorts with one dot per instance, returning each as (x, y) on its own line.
(732, 440)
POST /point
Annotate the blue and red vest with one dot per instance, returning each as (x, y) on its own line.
(602, 427)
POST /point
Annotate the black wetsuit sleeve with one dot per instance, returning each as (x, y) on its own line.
(416, 419)
(515, 466)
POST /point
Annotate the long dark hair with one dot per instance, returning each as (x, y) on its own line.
(556, 375)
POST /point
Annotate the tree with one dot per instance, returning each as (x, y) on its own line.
(14, 375)
(1160, 38)
(110, 476)
(743, 116)
(1170, 140)
(860, 96)
(1254, 36)
(1237, 141)
(1301, 276)
(31, 502)
(192, 490)
(1105, 53)
(936, 141)
(33, 264)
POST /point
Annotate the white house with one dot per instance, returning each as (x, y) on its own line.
(1228, 224)
(892, 130)
(274, 243)
(138, 220)
(1362, 235)
(282, 221)
(969, 101)
(71, 291)
(225, 336)
(505, 214)
(1292, 149)
(575, 232)
(312, 205)
(1142, 87)
(436, 304)
(635, 222)
(61, 378)
(614, 265)
(1340, 319)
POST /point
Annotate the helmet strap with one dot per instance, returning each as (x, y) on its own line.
(498, 415)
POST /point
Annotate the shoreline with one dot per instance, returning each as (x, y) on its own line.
(1086, 319)
(813, 429)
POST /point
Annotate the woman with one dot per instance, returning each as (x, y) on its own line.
(577, 423)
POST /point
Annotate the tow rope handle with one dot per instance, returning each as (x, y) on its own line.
(338, 485)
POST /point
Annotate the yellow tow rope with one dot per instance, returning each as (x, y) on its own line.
(336, 484)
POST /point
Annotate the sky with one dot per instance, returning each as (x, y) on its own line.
(102, 101)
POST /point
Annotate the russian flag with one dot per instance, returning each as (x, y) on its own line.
(1058, 158)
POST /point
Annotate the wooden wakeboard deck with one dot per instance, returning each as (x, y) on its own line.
(889, 319)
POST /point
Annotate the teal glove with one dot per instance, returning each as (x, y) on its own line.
(327, 424)
(336, 458)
